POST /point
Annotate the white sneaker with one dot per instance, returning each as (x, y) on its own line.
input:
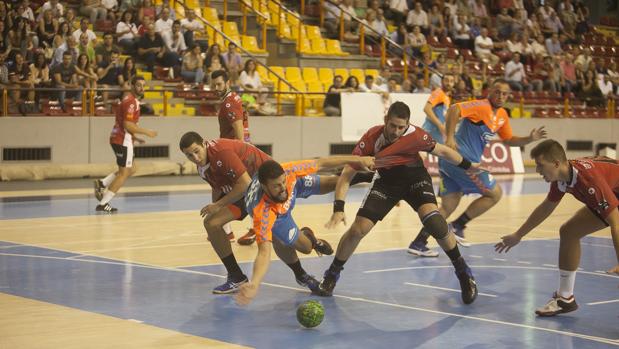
(557, 305)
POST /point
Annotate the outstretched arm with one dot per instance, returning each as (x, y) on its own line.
(451, 120)
(249, 290)
(613, 222)
(535, 135)
(341, 188)
(362, 162)
(236, 194)
(541, 212)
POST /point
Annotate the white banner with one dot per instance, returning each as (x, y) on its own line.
(360, 111)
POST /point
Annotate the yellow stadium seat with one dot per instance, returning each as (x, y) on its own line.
(264, 74)
(295, 32)
(210, 14)
(192, 4)
(292, 19)
(325, 75)
(358, 73)
(148, 76)
(313, 32)
(279, 71)
(343, 72)
(251, 44)
(315, 86)
(179, 10)
(153, 95)
(373, 72)
(318, 47)
(293, 74)
(333, 48)
(306, 47)
(286, 32)
(231, 29)
(310, 74)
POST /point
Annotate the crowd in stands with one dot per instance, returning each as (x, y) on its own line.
(73, 45)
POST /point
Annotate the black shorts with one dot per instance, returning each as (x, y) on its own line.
(417, 190)
(599, 215)
(124, 155)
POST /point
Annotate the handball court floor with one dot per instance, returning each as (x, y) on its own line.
(71, 278)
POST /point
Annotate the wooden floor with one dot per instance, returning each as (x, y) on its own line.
(175, 239)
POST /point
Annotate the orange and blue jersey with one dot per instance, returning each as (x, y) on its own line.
(440, 102)
(478, 126)
(272, 218)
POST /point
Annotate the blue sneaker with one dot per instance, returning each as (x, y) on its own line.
(420, 249)
(328, 283)
(459, 234)
(468, 286)
(310, 282)
(230, 286)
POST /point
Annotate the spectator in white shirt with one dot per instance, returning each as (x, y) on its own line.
(418, 17)
(127, 33)
(483, 47)
(605, 86)
(84, 23)
(515, 74)
(461, 32)
(93, 9)
(165, 4)
(164, 24)
(53, 5)
(174, 40)
(190, 25)
(369, 86)
(27, 13)
(538, 48)
(397, 11)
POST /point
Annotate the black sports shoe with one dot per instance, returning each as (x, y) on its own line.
(467, 284)
(328, 283)
(321, 246)
(310, 282)
(99, 189)
(106, 208)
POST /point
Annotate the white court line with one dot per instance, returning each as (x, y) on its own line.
(370, 301)
(598, 245)
(604, 302)
(475, 256)
(500, 259)
(447, 289)
(550, 265)
(523, 262)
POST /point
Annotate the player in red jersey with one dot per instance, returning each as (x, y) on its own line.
(122, 138)
(592, 181)
(233, 124)
(401, 176)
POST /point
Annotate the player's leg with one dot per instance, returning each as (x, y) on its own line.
(126, 168)
(102, 184)
(285, 248)
(583, 222)
(377, 203)
(217, 236)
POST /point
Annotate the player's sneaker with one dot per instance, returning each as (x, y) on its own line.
(321, 246)
(310, 282)
(468, 286)
(230, 286)
(99, 189)
(106, 208)
(248, 238)
(420, 249)
(459, 234)
(328, 283)
(557, 305)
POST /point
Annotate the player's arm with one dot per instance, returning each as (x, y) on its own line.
(238, 191)
(341, 188)
(365, 163)
(447, 153)
(613, 222)
(451, 120)
(133, 128)
(249, 290)
(541, 212)
(535, 135)
(238, 130)
(432, 117)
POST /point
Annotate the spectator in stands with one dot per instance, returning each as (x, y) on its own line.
(39, 71)
(47, 29)
(174, 40)
(546, 10)
(127, 33)
(19, 39)
(568, 69)
(416, 40)
(396, 10)
(590, 91)
(553, 24)
(538, 48)
(27, 11)
(191, 25)
(461, 33)
(478, 10)
(233, 61)
(147, 10)
(352, 84)
(420, 88)
(84, 24)
(418, 17)
(103, 51)
(110, 75)
(70, 47)
(151, 50)
(332, 104)
(584, 58)
(61, 36)
(553, 45)
(165, 5)
(146, 21)
(437, 25)
(369, 86)
(65, 79)
(85, 47)
(376, 23)
(437, 76)
(128, 73)
(567, 15)
(4, 71)
(192, 65)
(534, 27)
(504, 23)
(484, 46)
(214, 51)
(448, 21)
(331, 18)
(466, 79)
(383, 77)
(407, 86)
(164, 23)
(250, 82)
(400, 37)
(599, 66)
(20, 77)
(582, 18)
(475, 28)
(613, 74)
(451, 6)
(54, 6)
(132, 5)
(516, 75)
(94, 10)
(112, 8)
(86, 75)
(514, 44)
(551, 75)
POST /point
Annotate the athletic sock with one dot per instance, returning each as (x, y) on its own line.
(108, 179)
(228, 228)
(107, 197)
(297, 269)
(454, 254)
(336, 265)
(461, 221)
(234, 271)
(567, 279)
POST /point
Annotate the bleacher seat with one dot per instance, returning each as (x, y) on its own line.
(325, 75)
(343, 72)
(310, 74)
(293, 74)
(334, 48)
(358, 73)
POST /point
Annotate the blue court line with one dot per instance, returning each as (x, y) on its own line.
(368, 311)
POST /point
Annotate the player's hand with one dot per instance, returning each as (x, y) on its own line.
(451, 142)
(537, 134)
(139, 140)
(336, 218)
(614, 270)
(151, 133)
(367, 163)
(508, 241)
(247, 292)
(210, 209)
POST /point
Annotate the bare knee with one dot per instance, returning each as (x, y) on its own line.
(495, 194)
(565, 233)
(356, 232)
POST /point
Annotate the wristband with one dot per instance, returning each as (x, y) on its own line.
(465, 164)
(338, 206)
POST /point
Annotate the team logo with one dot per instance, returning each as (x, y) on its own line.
(361, 144)
(425, 137)
(603, 206)
(591, 191)
(227, 105)
(308, 181)
(219, 163)
(231, 173)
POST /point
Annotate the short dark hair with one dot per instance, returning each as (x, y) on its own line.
(176, 22)
(269, 169)
(67, 53)
(550, 150)
(190, 138)
(499, 81)
(218, 73)
(136, 78)
(369, 77)
(399, 110)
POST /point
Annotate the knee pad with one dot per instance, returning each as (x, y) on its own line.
(436, 225)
